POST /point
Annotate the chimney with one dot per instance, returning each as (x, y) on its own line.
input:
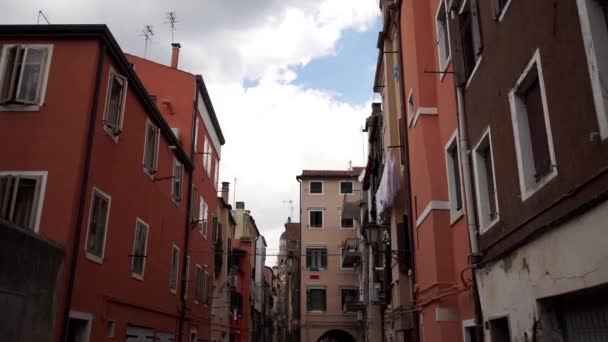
(289, 219)
(175, 54)
(376, 108)
(240, 205)
(225, 191)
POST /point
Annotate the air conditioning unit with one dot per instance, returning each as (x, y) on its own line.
(376, 295)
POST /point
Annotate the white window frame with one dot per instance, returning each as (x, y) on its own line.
(322, 218)
(88, 255)
(206, 155)
(44, 80)
(467, 323)
(40, 192)
(455, 213)
(346, 193)
(180, 176)
(174, 290)
(196, 134)
(348, 287)
(601, 106)
(342, 259)
(477, 167)
(148, 172)
(316, 287)
(139, 221)
(308, 268)
(187, 277)
(340, 221)
(121, 114)
(203, 217)
(528, 186)
(198, 270)
(502, 13)
(83, 316)
(410, 108)
(443, 65)
(193, 332)
(217, 173)
(206, 286)
(322, 187)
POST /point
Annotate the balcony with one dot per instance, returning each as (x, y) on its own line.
(351, 254)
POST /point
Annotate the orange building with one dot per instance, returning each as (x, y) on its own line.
(91, 162)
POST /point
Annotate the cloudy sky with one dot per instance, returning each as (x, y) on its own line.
(290, 80)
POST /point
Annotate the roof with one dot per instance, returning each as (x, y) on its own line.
(354, 172)
(102, 33)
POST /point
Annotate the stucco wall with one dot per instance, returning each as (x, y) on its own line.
(568, 258)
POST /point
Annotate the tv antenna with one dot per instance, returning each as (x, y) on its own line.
(172, 20)
(147, 33)
(41, 14)
(290, 202)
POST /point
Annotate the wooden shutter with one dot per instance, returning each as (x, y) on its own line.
(30, 54)
(457, 53)
(13, 57)
(476, 28)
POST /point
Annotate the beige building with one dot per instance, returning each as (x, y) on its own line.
(328, 284)
(222, 286)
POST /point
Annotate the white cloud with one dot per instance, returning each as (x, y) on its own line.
(273, 130)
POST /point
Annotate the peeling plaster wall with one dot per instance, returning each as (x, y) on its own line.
(570, 257)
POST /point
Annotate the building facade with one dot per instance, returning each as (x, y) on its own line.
(288, 271)
(529, 77)
(326, 286)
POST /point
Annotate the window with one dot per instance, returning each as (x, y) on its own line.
(151, 149)
(176, 189)
(315, 299)
(499, 330)
(174, 276)
(202, 217)
(349, 265)
(594, 26)
(193, 337)
(316, 218)
(98, 225)
(346, 222)
(485, 184)
(349, 296)
(471, 41)
(531, 128)
(198, 289)
(206, 156)
(410, 107)
(115, 104)
(217, 173)
(193, 197)
(315, 187)
(21, 197)
(379, 255)
(346, 188)
(316, 258)
(110, 328)
(470, 333)
(138, 259)
(443, 43)
(206, 289)
(24, 74)
(454, 186)
(195, 134)
(499, 7)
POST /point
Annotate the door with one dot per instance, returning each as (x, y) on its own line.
(139, 334)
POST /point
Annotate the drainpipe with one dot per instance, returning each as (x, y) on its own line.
(182, 314)
(406, 165)
(470, 205)
(83, 192)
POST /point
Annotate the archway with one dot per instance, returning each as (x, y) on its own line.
(336, 335)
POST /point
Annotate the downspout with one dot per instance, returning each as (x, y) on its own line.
(470, 205)
(406, 166)
(83, 192)
(182, 314)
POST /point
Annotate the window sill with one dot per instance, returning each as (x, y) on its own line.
(455, 216)
(445, 67)
(111, 134)
(528, 192)
(149, 173)
(347, 228)
(316, 228)
(346, 193)
(483, 230)
(316, 312)
(315, 194)
(472, 75)
(94, 258)
(19, 108)
(176, 202)
(173, 291)
(137, 276)
(504, 11)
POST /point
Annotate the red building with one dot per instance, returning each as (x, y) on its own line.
(91, 162)
(242, 258)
